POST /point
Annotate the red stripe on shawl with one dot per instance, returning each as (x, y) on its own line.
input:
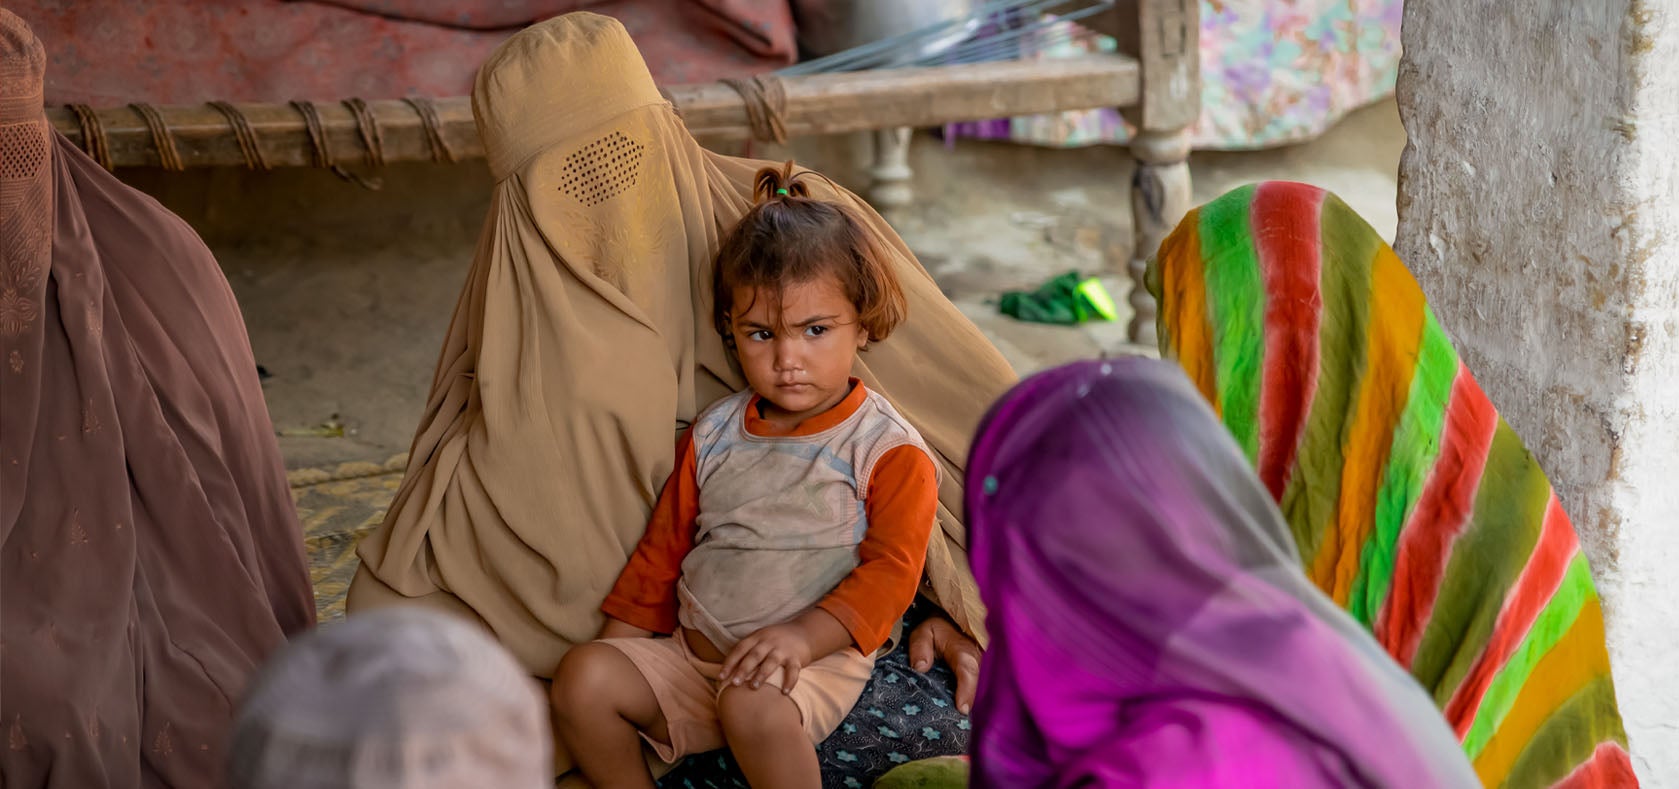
(1289, 243)
(1609, 768)
(1441, 513)
(1528, 596)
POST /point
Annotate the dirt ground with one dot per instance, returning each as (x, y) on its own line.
(347, 292)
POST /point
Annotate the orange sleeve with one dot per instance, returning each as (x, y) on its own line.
(645, 594)
(902, 504)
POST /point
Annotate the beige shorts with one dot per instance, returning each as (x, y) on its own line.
(687, 690)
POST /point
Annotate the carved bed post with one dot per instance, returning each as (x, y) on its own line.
(1164, 36)
(890, 174)
(1160, 196)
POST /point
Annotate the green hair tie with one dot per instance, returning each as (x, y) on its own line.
(781, 191)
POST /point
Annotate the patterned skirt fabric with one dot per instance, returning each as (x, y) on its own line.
(903, 716)
(1414, 505)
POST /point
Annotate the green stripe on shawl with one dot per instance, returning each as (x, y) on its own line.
(1553, 622)
(1236, 310)
(1416, 445)
(1349, 248)
(1486, 561)
(1570, 736)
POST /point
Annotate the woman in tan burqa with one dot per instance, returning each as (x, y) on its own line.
(150, 556)
(583, 343)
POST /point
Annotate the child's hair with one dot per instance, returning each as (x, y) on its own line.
(789, 237)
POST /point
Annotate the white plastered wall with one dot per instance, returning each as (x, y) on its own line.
(1539, 206)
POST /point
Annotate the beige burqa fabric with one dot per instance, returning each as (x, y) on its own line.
(582, 343)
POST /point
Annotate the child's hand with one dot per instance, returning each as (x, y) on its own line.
(757, 656)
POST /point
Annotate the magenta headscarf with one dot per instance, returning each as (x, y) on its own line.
(1150, 623)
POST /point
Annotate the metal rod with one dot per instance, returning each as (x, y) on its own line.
(888, 52)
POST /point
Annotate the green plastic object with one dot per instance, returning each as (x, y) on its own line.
(1066, 300)
(944, 772)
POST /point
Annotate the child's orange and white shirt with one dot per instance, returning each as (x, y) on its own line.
(756, 526)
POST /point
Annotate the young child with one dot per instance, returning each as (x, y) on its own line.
(788, 542)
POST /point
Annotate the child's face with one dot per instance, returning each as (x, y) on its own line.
(799, 361)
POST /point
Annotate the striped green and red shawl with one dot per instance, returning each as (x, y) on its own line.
(1415, 506)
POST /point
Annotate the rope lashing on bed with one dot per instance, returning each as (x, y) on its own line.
(94, 141)
(423, 107)
(162, 139)
(249, 146)
(368, 127)
(766, 106)
(321, 148)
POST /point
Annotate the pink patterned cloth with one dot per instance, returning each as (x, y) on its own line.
(110, 52)
(1271, 74)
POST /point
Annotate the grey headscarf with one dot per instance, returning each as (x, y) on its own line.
(402, 697)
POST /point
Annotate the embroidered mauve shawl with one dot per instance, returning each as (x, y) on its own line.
(151, 557)
(583, 341)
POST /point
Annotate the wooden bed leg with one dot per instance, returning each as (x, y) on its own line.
(1160, 197)
(890, 185)
(1164, 36)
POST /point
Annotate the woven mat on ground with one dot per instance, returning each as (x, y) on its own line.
(338, 506)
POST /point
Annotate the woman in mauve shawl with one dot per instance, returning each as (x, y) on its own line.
(150, 557)
(1412, 504)
(1150, 625)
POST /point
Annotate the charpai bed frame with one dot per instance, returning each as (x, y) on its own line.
(1156, 83)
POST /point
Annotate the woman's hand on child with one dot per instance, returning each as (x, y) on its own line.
(756, 658)
(937, 637)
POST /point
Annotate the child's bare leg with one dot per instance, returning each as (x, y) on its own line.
(767, 736)
(601, 703)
